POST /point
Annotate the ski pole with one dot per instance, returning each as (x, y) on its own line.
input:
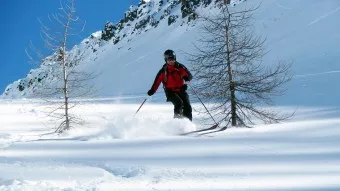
(140, 106)
(202, 103)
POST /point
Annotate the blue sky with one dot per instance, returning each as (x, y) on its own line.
(19, 25)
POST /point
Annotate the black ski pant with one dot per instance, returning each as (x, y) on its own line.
(181, 103)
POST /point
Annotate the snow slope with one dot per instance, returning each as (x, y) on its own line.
(116, 151)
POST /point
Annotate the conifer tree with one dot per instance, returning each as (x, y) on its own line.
(108, 31)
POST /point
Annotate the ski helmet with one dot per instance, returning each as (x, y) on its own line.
(169, 54)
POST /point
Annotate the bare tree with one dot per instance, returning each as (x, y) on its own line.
(68, 81)
(229, 71)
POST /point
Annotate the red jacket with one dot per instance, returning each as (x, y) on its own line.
(172, 77)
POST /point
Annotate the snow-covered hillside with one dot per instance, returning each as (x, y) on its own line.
(126, 59)
(115, 150)
(302, 32)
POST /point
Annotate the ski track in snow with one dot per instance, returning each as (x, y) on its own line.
(324, 16)
(316, 74)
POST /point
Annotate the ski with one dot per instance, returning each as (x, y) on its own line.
(218, 130)
(201, 130)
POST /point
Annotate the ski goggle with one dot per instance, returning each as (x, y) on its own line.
(167, 57)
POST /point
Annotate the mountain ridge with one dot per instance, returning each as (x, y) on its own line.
(137, 20)
(301, 32)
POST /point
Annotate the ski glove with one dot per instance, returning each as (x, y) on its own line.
(184, 87)
(186, 78)
(150, 92)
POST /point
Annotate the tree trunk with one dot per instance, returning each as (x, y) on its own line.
(231, 83)
(65, 92)
(65, 74)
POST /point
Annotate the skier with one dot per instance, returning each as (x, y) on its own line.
(172, 75)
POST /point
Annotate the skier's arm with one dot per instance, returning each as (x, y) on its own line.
(157, 81)
(186, 75)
